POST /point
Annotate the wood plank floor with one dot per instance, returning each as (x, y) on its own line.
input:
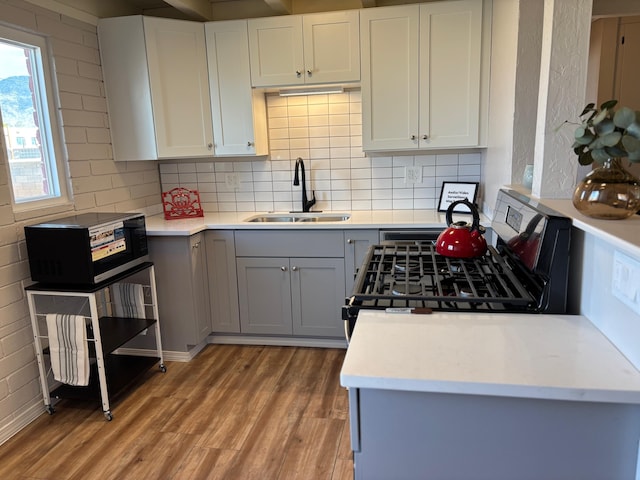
(233, 412)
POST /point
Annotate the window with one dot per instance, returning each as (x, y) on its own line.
(27, 111)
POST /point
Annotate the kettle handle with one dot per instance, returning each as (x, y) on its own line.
(472, 207)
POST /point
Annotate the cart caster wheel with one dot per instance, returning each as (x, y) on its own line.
(163, 368)
(108, 416)
(50, 410)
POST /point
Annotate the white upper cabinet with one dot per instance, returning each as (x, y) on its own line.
(239, 113)
(305, 49)
(157, 87)
(421, 75)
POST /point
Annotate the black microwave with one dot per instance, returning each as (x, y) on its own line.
(86, 249)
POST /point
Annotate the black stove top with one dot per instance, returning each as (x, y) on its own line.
(526, 270)
(416, 276)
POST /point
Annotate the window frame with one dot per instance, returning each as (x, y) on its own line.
(50, 131)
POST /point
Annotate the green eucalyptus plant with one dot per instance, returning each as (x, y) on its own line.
(607, 133)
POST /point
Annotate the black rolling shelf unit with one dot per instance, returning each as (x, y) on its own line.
(111, 373)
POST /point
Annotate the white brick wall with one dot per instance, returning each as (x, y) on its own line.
(326, 131)
(98, 183)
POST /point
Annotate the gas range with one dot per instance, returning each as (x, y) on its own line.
(525, 271)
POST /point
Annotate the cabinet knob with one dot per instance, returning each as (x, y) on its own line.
(295, 269)
(196, 245)
(283, 268)
(298, 73)
(209, 146)
(413, 137)
(349, 241)
(425, 137)
(250, 144)
(309, 72)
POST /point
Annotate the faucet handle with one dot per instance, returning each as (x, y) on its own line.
(311, 202)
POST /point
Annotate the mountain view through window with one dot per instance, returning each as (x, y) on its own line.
(24, 113)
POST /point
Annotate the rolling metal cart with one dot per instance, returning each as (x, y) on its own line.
(111, 371)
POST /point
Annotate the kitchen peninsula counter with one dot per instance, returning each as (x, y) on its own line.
(558, 357)
(489, 397)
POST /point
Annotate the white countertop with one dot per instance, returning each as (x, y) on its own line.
(624, 234)
(559, 357)
(158, 226)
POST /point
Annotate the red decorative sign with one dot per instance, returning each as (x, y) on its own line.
(181, 203)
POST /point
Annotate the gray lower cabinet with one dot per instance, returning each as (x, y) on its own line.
(298, 295)
(410, 435)
(356, 244)
(183, 290)
(223, 284)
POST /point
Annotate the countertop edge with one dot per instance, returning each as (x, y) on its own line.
(489, 389)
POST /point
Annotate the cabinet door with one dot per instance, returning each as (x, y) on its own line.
(450, 77)
(331, 47)
(389, 56)
(264, 294)
(276, 51)
(124, 69)
(239, 114)
(200, 287)
(356, 244)
(317, 293)
(177, 62)
(182, 303)
(223, 281)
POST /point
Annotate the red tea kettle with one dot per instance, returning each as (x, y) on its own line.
(462, 240)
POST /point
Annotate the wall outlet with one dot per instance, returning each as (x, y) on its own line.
(232, 180)
(413, 174)
(625, 281)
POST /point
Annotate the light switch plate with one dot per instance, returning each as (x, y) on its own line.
(625, 280)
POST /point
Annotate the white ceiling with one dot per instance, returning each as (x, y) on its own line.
(200, 9)
(204, 10)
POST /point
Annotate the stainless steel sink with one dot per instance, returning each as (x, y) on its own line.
(299, 217)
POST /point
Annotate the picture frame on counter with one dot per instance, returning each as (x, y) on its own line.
(454, 191)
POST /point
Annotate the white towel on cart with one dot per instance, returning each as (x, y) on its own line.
(68, 348)
(128, 300)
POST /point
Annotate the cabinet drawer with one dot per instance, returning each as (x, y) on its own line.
(280, 243)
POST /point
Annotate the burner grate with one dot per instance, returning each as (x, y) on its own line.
(397, 275)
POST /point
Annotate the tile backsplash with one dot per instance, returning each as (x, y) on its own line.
(326, 132)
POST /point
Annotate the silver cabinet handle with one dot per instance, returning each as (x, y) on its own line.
(413, 137)
(295, 269)
(349, 241)
(298, 73)
(250, 144)
(284, 269)
(309, 72)
(425, 137)
(209, 146)
(196, 245)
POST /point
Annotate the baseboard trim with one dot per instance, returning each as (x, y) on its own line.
(23, 419)
(276, 341)
(176, 356)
